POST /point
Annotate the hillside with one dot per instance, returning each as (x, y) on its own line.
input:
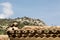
(4, 23)
(22, 21)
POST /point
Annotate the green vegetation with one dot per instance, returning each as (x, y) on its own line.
(2, 32)
(4, 23)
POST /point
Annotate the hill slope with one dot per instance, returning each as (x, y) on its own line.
(22, 21)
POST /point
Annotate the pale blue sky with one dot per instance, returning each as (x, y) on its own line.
(46, 10)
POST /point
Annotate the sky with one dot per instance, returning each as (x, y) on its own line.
(46, 10)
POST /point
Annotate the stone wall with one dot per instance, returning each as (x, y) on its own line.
(33, 38)
(5, 37)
